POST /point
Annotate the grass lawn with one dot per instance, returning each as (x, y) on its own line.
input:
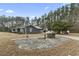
(8, 47)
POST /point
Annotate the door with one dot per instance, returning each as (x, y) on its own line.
(30, 30)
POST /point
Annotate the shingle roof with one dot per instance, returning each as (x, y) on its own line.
(22, 26)
(37, 27)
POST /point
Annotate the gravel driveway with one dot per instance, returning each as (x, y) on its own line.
(70, 36)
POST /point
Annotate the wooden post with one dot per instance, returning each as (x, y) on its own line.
(26, 36)
(44, 34)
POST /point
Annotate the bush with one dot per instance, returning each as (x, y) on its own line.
(4, 29)
(61, 26)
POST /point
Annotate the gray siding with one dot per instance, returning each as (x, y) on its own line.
(33, 30)
(29, 29)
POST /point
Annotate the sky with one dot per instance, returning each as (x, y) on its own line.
(27, 9)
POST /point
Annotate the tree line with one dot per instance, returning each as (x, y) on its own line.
(9, 21)
(62, 19)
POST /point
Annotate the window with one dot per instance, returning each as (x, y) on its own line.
(18, 30)
(13, 29)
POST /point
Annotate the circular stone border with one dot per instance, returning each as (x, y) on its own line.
(40, 43)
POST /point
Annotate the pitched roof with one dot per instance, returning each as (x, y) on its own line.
(23, 26)
(37, 27)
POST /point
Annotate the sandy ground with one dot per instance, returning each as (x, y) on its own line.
(8, 47)
(74, 37)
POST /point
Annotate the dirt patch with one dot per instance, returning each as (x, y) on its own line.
(9, 48)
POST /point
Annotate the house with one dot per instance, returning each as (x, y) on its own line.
(33, 29)
(26, 29)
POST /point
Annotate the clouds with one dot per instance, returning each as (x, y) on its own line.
(46, 8)
(9, 11)
(32, 17)
(6, 11)
(1, 9)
